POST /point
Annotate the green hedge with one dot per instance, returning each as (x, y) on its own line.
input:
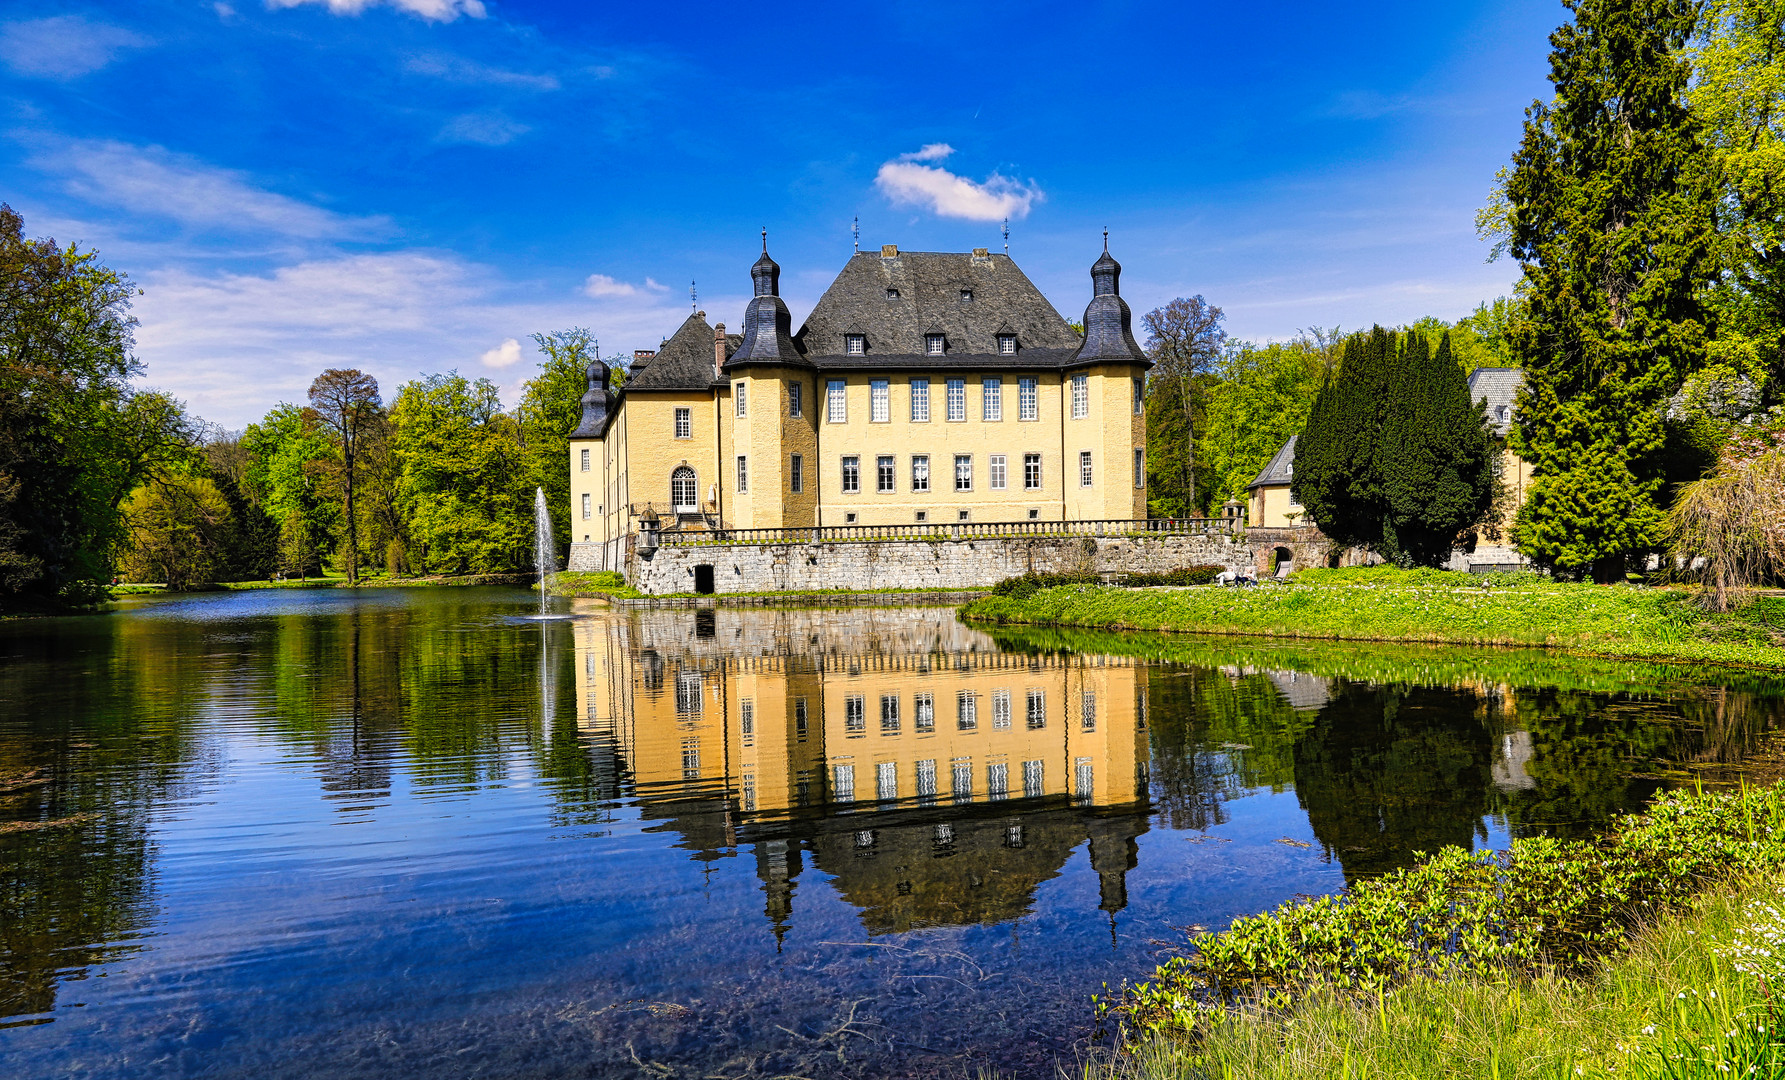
(1021, 588)
(1543, 903)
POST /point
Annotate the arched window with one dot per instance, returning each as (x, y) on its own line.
(682, 491)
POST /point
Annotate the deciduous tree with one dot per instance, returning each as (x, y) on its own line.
(345, 402)
(1185, 341)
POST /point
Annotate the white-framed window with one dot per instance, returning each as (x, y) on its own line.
(586, 501)
(796, 473)
(843, 783)
(885, 475)
(1084, 468)
(796, 392)
(1000, 709)
(923, 708)
(966, 716)
(1006, 344)
(1031, 472)
(1033, 788)
(933, 344)
(997, 780)
(852, 475)
(920, 473)
(960, 774)
(682, 490)
(920, 401)
(684, 423)
(855, 714)
(1081, 397)
(836, 405)
(963, 472)
(991, 399)
(747, 718)
(879, 402)
(743, 474)
(855, 344)
(995, 471)
(886, 780)
(1087, 707)
(585, 461)
(889, 714)
(926, 778)
(1140, 467)
(738, 390)
(1026, 408)
(1140, 392)
(957, 399)
(1037, 714)
(1081, 778)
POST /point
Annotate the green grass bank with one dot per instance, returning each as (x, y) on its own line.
(1395, 605)
(1653, 952)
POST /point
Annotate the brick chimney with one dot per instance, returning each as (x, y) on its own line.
(719, 352)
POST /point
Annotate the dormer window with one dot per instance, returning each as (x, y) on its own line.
(854, 344)
(1502, 412)
(892, 294)
(966, 296)
(1006, 344)
(933, 344)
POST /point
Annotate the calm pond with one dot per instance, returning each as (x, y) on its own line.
(413, 833)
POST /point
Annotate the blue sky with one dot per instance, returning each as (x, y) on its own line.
(417, 185)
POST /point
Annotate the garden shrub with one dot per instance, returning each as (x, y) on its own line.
(1189, 575)
(1544, 902)
(1027, 585)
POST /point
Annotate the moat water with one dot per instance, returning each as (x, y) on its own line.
(410, 833)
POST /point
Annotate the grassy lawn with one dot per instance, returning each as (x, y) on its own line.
(1390, 604)
(1648, 953)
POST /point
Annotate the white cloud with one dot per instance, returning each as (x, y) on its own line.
(431, 10)
(600, 286)
(483, 129)
(63, 46)
(460, 70)
(907, 182)
(504, 355)
(152, 181)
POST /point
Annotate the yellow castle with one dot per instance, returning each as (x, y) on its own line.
(924, 387)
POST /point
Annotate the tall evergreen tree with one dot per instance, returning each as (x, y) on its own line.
(1435, 458)
(1335, 475)
(1610, 209)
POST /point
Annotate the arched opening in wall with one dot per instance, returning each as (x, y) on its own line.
(703, 579)
(683, 497)
(1284, 561)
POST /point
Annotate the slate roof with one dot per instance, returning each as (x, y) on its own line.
(930, 286)
(1498, 386)
(685, 362)
(1280, 468)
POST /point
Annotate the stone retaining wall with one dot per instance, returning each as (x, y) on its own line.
(928, 564)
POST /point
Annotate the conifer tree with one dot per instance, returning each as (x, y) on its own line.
(1611, 218)
(1335, 475)
(1434, 457)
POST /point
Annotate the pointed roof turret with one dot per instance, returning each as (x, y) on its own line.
(596, 402)
(1109, 329)
(768, 325)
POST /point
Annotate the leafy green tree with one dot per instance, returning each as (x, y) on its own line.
(1185, 341)
(1610, 209)
(464, 482)
(179, 530)
(1262, 398)
(550, 408)
(1738, 96)
(1336, 477)
(344, 402)
(1435, 456)
(288, 475)
(75, 437)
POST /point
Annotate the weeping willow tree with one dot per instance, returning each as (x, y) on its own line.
(1730, 525)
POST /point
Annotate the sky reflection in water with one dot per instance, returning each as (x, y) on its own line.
(399, 833)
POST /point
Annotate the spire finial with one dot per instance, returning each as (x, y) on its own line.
(765, 239)
(856, 228)
(1106, 239)
(693, 298)
(1006, 236)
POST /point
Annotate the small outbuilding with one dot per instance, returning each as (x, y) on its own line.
(1272, 504)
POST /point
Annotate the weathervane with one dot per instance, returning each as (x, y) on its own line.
(1006, 236)
(693, 298)
(856, 228)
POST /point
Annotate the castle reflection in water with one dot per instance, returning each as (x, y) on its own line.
(935, 779)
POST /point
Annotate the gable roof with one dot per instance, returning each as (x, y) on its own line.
(930, 287)
(685, 362)
(1281, 468)
(1498, 386)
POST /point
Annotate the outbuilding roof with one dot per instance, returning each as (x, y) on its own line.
(685, 362)
(1498, 386)
(1281, 469)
